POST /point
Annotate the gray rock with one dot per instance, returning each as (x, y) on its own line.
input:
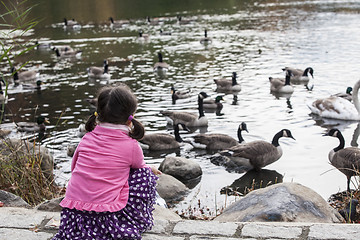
(12, 200)
(161, 213)
(171, 189)
(182, 169)
(287, 202)
(50, 205)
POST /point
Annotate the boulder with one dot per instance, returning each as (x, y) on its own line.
(12, 200)
(171, 189)
(165, 214)
(50, 205)
(283, 202)
(181, 168)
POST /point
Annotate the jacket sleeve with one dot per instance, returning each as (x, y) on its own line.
(138, 157)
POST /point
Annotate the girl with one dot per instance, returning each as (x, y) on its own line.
(111, 191)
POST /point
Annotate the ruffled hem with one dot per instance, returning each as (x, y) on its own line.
(84, 206)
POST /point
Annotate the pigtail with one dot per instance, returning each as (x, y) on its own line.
(138, 131)
(91, 123)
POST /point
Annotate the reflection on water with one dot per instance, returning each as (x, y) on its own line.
(255, 39)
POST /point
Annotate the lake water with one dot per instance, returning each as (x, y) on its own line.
(256, 39)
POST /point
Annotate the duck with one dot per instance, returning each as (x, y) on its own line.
(36, 85)
(299, 75)
(214, 103)
(68, 53)
(71, 24)
(24, 76)
(279, 85)
(228, 85)
(335, 107)
(346, 160)
(189, 119)
(160, 65)
(163, 141)
(176, 94)
(38, 126)
(118, 23)
(97, 72)
(346, 95)
(205, 39)
(258, 153)
(218, 141)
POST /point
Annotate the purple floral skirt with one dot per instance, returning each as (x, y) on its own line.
(128, 223)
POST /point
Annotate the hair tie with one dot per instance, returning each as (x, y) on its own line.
(95, 114)
(131, 117)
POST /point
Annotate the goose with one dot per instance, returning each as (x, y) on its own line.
(68, 53)
(71, 24)
(279, 85)
(187, 118)
(163, 141)
(97, 72)
(183, 21)
(143, 36)
(346, 95)
(205, 39)
(162, 33)
(152, 21)
(63, 48)
(258, 153)
(38, 126)
(228, 85)
(24, 75)
(160, 65)
(299, 75)
(336, 107)
(346, 160)
(42, 46)
(118, 23)
(213, 103)
(176, 94)
(218, 141)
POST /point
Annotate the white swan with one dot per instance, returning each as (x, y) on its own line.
(337, 107)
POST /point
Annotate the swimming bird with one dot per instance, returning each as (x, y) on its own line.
(299, 75)
(162, 33)
(218, 141)
(42, 46)
(143, 36)
(176, 94)
(31, 85)
(97, 72)
(160, 65)
(68, 53)
(163, 141)
(213, 103)
(228, 85)
(118, 23)
(205, 39)
(189, 119)
(279, 85)
(337, 107)
(62, 48)
(24, 76)
(346, 95)
(346, 160)
(38, 126)
(258, 153)
(183, 21)
(71, 24)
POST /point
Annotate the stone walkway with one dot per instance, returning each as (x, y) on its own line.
(31, 224)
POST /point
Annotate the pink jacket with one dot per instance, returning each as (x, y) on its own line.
(100, 170)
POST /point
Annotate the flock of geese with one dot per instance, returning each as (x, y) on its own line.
(256, 154)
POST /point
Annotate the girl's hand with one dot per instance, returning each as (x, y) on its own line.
(155, 170)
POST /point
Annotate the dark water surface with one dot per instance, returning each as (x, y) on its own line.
(256, 39)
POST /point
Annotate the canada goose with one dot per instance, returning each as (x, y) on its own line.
(337, 107)
(42, 46)
(160, 65)
(213, 103)
(143, 36)
(24, 75)
(38, 126)
(258, 153)
(278, 85)
(71, 24)
(163, 141)
(228, 85)
(97, 72)
(346, 160)
(205, 39)
(346, 95)
(118, 23)
(175, 94)
(162, 33)
(299, 75)
(63, 48)
(68, 54)
(218, 141)
(183, 21)
(152, 21)
(187, 118)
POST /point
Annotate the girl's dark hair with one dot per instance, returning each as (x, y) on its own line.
(115, 105)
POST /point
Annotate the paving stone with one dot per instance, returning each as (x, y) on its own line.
(205, 228)
(22, 234)
(217, 238)
(334, 231)
(160, 226)
(259, 230)
(156, 237)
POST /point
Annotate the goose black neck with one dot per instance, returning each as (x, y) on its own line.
(205, 33)
(160, 57)
(241, 139)
(276, 138)
(287, 79)
(234, 82)
(112, 20)
(201, 107)
(16, 76)
(342, 142)
(305, 73)
(57, 52)
(106, 68)
(173, 97)
(177, 133)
